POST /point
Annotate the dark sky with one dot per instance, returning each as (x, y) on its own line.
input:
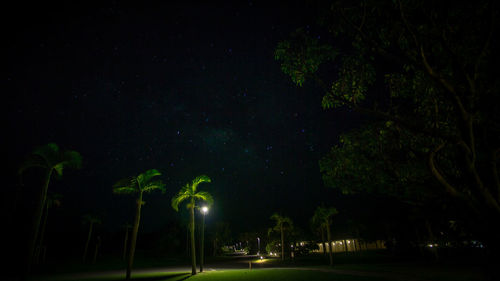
(187, 89)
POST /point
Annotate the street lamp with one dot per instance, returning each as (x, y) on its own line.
(258, 245)
(204, 211)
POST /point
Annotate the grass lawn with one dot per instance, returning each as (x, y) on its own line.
(276, 275)
(240, 274)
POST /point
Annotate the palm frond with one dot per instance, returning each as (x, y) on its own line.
(176, 201)
(331, 212)
(50, 153)
(31, 162)
(198, 180)
(153, 186)
(125, 186)
(59, 168)
(282, 221)
(146, 177)
(205, 196)
(72, 159)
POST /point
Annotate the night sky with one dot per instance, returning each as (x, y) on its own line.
(187, 89)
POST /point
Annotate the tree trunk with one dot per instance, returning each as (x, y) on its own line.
(97, 245)
(323, 241)
(202, 246)
(328, 236)
(193, 245)
(282, 243)
(187, 240)
(133, 241)
(42, 234)
(36, 224)
(125, 243)
(88, 241)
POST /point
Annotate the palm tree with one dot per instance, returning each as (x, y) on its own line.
(50, 159)
(125, 241)
(323, 216)
(143, 183)
(189, 193)
(91, 220)
(282, 224)
(317, 227)
(53, 199)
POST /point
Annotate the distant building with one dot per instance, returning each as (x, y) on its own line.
(350, 245)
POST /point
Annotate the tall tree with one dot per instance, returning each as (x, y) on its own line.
(90, 220)
(190, 193)
(282, 225)
(140, 184)
(323, 216)
(127, 226)
(51, 160)
(426, 69)
(318, 228)
(53, 199)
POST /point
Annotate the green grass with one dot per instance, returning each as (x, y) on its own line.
(277, 275)
(241, 275)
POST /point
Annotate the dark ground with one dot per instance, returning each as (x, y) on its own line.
(377, 265)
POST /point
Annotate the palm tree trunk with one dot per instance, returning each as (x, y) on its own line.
(202, 246)
(193, 245)
(134, 236)
(96, 252)
(328, 236)
(42, 234)
(88, 241)
(282, 243)
(36, 222)
(323, 241)
(125, 243)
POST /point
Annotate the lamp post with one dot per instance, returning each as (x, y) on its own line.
(204, 211)
(258, 245)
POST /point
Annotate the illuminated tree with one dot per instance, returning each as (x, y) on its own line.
(91, 220)
(51, 160)
(190, 194)
(323, 217)
(140, 184)
(283, 224)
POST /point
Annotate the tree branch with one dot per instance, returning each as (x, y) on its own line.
(486, 44)
(416, 128)
(495, 171)
(485, 193)
(448, 187)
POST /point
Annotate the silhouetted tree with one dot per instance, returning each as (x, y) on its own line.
(53, 199)
(407, 65)
(51, 160)
(283, 224)
(323, 216)
(90, 220)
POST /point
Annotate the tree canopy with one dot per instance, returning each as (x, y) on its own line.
(425, 70)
